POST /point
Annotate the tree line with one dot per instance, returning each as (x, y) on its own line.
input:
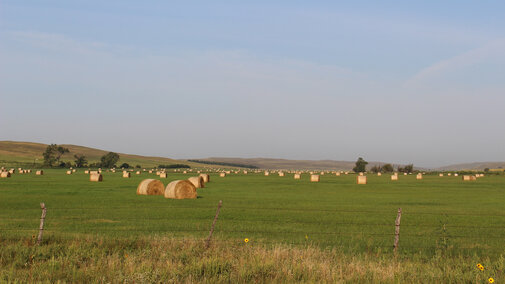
(361, 164)
(53, 153)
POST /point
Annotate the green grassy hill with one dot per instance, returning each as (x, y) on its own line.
(28, 154)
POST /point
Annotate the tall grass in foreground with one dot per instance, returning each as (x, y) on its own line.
(148, 260)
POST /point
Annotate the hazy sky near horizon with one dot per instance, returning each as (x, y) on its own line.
(418, 82)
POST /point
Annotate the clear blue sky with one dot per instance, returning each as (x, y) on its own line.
(399, 81)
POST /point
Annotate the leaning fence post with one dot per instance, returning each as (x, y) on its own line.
(207, 242)
(397, 229)
(42, 219)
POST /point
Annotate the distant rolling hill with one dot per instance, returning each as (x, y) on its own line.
(13, 153)
(478, 166)
(277, 164)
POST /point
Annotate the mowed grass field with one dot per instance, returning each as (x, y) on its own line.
(439, 213)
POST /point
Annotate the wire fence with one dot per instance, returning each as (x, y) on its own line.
(299, 229)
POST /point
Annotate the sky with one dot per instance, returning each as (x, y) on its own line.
(418, 82)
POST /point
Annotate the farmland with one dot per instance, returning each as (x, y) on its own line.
(441, 215)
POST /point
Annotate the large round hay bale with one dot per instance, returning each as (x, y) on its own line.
(126, 174)
(281, 174)
(222, 175)
(39, 173)
(419, 176)
(198, 181)
(394, 177)
(163, 175)
(361, 179)
(5, 175)
(69, 172)
(180, 189)
(297, 176)
(206, 177)
(379, 174)
(150, 187)
(314, 178)
(337, 174)
(267, 173)
(469, 178)
(95, 177)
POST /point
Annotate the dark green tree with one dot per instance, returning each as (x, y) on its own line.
(360, 165)
(409, 168)
(52, 154)
(376, 169)
(387, 168)
(109, 160)
(124, 165)
(60, 151)
(80, 161)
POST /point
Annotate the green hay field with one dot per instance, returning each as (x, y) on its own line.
(437, 212)
(442, 216)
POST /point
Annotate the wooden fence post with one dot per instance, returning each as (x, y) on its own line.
(397, 229)
(207, 242)
(42, 219)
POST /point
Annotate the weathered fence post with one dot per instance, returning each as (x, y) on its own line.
(42, 219)
(207, 242)
(397, 229)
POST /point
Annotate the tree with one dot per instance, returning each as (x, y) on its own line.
(376, 169)
(109, 160)
(53, 154)
(409, 168)
(124, 165)
(60, 151)
(486, 170)
(138, 166)
(50, 155)
(80, 161)
(360, 165)
(387, 168)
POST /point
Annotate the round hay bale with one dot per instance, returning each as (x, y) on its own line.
(180, 189)
(39, 173)
(126, 174)
(394, 177)
(5, 175)
(150, 187)
(281, 174)
(163, 175)
(297, 176)
(267, 173)
(361, 179)
(86, 172)
(337, 174)
(197, 181)
(314, 178)
(206, 177)
(245, 172)
(379, 174)
(469, 178)
(95, 177)
(69, 172)
(440, 175)
(138, 173)
(222, 175)
(419, 176)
